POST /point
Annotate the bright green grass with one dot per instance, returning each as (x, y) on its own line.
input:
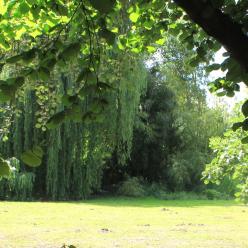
(124, 223)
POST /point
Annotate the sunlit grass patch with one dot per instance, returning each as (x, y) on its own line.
(123, 222)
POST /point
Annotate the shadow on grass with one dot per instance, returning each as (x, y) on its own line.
(153, 202)
(144, 202)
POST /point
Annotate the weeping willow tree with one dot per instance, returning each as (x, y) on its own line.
(76, 107)
(75, 151)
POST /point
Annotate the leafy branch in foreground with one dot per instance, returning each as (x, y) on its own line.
(41, 39)
(230, 160)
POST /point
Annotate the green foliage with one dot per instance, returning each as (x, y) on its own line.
(227, 186)
(59, 32)
(174, 124)
(213, 194)
(73, 151)
(135, 187)
(33, 157)
(155, 189)
(172, 127)
(131, 187)
(4, 168)
(193, 118)
(230, 161)
(103, 7)
(182, 195)
(19, 185)
(154, 135)
(93, 46)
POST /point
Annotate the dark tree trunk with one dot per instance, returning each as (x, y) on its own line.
(220, 26)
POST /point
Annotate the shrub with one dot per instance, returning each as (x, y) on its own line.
(213, 194)
(155, 189)
(182, 195)
(131, 187)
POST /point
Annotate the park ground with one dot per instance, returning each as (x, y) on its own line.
(122, 222)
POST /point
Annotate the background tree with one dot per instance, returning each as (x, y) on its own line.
(193, 118)
(173, 125)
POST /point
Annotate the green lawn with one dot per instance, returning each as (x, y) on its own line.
(118, 222)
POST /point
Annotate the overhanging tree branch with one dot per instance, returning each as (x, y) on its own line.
(220, 26)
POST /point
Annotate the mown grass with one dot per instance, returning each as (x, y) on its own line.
(120, 222)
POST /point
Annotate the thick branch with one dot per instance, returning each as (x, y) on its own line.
(220, 26)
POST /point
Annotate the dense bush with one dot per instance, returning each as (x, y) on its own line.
(182, 195)
(131, 187)
(137, 187)
(213, 194)
(208, 194)
(155, 189)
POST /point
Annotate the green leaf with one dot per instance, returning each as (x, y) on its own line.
(24, 8)
(37, 150)
(88, 89)
(148, 25)
(245, 108)
(201, 52)
(3, 43)
(194, 61)
(213, 67)
(83, 75)
(104, 86)
(108, 36)
(56, 120)
(31, 159)
(244, 140)
(37, 125)
(7, 92)
(4, 168)
(3, 8)
(221, 93)
(74, 113)
(98, 106)
(43, 73)
(236, 126)
(14, 59)
(151, 49)
(88, 117)
(17, 82)
(245, 125)
(103, 7)
(28, 56)
(49, 63)
(230, 93)
(160, 41)
(236, 87)
(68, 100)
(70, 51)
(35, 10)
(134, 17)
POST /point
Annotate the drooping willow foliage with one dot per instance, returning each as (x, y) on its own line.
(20, 184)
(75, 152)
